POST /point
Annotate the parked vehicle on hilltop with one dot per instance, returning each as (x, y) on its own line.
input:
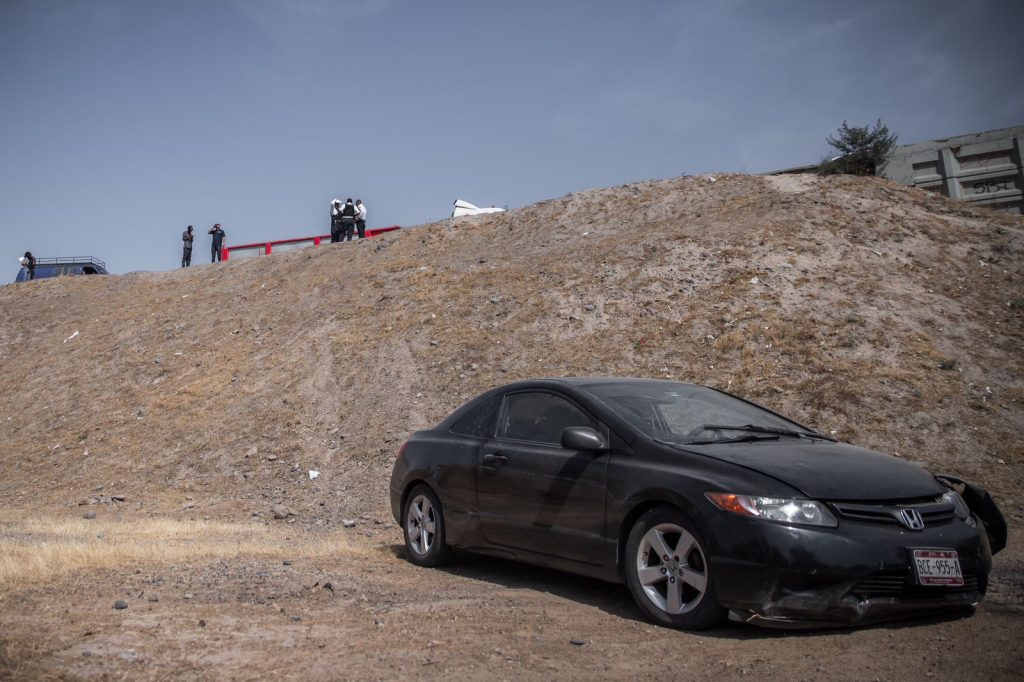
(55, 267)
(703, 504)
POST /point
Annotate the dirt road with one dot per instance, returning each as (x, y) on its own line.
(364, 612)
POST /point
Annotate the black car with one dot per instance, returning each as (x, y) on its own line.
(704, 504)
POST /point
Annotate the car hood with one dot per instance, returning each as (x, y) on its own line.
(829, 471)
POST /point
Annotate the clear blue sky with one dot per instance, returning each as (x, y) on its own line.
(122, 121)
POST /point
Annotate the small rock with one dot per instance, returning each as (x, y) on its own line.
(348, 523)
(329, 586)
(202, 623)
(271, 458)
(252, 451)
(433, 343)
(280, 511)
(287, 562)
(120, 604)
(153, 597)
(947, 365)
(577, 642)
(89, 515)
(117, 498)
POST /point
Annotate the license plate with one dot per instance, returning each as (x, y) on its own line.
(938, 567)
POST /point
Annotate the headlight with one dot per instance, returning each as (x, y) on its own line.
(806, 512)
(963, 512)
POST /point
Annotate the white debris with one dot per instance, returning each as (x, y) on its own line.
(71, 337)
(313, 474)
(754, 280)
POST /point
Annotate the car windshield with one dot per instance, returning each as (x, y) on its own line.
(684, 413)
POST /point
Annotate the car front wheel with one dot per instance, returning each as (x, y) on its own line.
(668, 571)
(423, 527)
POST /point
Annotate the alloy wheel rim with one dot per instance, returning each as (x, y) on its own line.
(420, 525)
(672, 569)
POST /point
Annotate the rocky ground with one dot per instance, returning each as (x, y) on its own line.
(886, 315)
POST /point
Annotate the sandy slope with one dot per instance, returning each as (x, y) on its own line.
(892, 317)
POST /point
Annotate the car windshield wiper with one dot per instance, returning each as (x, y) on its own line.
(765, 429)
(749, 438)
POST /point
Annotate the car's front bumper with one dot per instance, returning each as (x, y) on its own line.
(789, 576)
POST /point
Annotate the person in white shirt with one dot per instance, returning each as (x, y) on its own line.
(361, 218)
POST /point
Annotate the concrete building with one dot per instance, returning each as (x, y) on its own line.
(983, 168)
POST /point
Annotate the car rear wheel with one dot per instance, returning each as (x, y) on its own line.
(668, 571)
(423, 527)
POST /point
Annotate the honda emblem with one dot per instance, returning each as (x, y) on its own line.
(911, 518)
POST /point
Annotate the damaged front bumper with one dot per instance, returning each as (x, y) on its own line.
(794, 577)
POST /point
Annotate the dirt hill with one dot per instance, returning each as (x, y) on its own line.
(890, 317)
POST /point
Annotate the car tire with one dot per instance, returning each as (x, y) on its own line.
(423, 528)
(669, 573)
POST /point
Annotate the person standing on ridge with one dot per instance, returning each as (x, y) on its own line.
(361, 218)
(218, 242)
(186, 251)
(335, 221)
(348, 220)
(29, 261)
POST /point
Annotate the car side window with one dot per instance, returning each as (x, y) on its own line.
(479, 421)
(540, 417)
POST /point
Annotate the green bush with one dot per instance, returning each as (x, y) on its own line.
(862, 149)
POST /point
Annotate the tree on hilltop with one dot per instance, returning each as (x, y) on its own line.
(862, 149)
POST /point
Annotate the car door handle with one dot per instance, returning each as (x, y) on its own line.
(495, 459)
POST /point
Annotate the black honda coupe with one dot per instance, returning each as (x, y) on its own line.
(704, 504)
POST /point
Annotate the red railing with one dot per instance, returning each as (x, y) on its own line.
(267, 248)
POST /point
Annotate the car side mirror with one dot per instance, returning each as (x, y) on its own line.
(583, 438)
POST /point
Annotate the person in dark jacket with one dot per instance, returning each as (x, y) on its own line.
(218, 243)
(30, 264)
(348, 220)
(336, 221)
(186, 251)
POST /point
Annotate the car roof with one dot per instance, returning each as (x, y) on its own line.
(586, 381)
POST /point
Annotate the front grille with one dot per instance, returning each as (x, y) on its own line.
(900, 585)
(932, 513)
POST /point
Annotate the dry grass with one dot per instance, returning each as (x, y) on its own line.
(34, 551)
